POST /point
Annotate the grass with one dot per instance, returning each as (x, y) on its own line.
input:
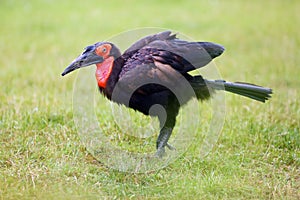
(257, 155)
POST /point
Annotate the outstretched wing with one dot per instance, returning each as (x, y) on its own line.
(148, 39)
(155, 59)
(165, 47)
(192, 55)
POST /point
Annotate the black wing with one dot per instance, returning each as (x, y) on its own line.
(150, 78)
(192, 55)
(166, 48)
(148, 39)
(157, 57)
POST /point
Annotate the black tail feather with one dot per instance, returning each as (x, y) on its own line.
(245, 89)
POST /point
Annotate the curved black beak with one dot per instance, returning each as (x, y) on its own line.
(88, 57)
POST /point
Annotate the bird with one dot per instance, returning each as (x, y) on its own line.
(149, 72)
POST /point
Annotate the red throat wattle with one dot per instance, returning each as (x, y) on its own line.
(103, 71)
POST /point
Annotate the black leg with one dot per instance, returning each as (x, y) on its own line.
(162, 140)
(167, 127)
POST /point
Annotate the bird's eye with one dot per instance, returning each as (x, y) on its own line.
(103, 50)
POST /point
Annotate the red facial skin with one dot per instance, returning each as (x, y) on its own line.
(104, 69)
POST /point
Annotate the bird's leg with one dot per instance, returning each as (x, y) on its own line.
(167, 126)
(162, 141)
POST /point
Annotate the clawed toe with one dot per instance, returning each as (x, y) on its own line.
(160, 152)
(170, 147)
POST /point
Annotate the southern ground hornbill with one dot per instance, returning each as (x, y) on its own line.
(151, 68)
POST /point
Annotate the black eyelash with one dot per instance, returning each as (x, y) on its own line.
(88, 48)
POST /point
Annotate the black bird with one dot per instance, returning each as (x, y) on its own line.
(149, 72)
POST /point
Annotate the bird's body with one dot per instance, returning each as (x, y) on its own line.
(149, 72)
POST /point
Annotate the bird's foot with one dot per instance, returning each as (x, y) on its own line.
(162, 142)
(161, 152)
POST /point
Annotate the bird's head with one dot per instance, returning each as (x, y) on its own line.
(94, 54)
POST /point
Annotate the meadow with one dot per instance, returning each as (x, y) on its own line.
(257, 155)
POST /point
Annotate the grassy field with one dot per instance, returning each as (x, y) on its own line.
(257, 155)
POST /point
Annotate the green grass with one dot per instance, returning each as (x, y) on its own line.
(41, 156)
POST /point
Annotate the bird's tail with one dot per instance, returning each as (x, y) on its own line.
(252, 91)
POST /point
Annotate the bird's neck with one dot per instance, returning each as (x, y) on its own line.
(107, 74)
